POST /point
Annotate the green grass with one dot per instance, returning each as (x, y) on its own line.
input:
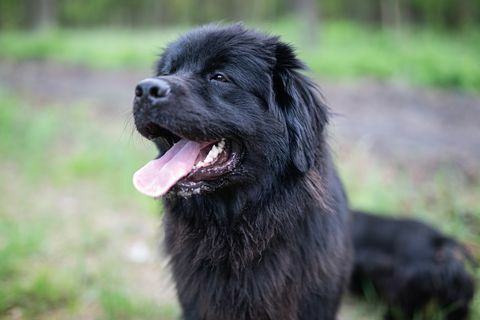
(27, 286)
(123, 305)
(68, 175)
(446, 196)
(344, 50)
(446, 201)
(111, 48)
(62, 145)
(419, 57)
(44, 253)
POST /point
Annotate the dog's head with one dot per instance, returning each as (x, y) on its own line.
(227, 106)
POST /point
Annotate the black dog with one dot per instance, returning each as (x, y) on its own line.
(256, 220)
(410, 265)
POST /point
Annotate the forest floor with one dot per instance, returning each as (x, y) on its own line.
(382, 134)
(413, 125)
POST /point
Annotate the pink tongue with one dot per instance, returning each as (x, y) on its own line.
(159, 175)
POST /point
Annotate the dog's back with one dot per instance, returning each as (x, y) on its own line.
(410, 264)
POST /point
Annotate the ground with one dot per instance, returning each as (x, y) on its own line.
(402, 149)
(396, 120)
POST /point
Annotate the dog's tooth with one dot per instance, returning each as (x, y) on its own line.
(221, 145)
(208, 159)
(213, 152)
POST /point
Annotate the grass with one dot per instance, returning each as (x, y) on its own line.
(121, 305)
(60, 143)
(28, 286)
(343, 50)
(446, 201)
(55, 257)
(69, 213)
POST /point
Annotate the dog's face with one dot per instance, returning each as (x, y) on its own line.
(226, 107)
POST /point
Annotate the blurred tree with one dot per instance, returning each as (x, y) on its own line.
(35, 14)
(10, 13)
(390, 13)
(309, 15)
(40, 14)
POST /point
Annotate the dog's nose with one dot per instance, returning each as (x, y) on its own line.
(152, 88)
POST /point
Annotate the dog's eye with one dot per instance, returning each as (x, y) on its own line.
(219, 77)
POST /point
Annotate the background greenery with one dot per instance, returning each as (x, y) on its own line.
(67, 208)
(343, 50)
(432, 42)
(60, 260)
(442, 14)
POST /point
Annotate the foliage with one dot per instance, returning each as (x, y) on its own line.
(433, 13)
(343, 50)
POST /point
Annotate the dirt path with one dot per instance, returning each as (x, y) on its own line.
(418, 127)
(415, 126)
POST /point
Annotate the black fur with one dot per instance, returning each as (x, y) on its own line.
(271, 240)
(410, 265)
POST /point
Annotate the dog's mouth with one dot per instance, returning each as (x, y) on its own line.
(188, 166)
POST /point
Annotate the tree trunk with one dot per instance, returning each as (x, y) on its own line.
(40, 14)
(390, 12)
(309, 17)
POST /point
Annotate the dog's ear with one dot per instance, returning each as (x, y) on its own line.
(300, 103)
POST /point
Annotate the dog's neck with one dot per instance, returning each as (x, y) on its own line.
(220, 231)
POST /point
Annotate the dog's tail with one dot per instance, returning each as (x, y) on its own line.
(453, 285)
